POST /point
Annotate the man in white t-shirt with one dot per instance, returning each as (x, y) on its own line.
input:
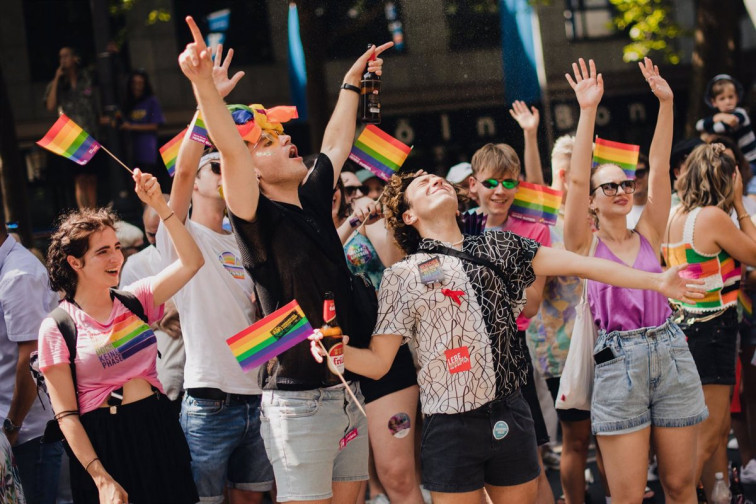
(220, 413)
(171, 357)
(25, 299)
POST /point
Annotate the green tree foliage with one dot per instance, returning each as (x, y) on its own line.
(651, 28)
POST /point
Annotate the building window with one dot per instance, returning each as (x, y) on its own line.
(350, 25)
(588, 19)
(247, 29)
(473, 24)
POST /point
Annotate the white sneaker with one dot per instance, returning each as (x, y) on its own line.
(748, 473)
(426, 495)
(651, 474)
(732, 444)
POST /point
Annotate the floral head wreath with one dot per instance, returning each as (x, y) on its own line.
(252, 120)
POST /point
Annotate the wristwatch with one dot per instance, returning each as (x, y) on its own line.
(9, 427)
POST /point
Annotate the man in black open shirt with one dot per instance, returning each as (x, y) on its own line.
(315, 436)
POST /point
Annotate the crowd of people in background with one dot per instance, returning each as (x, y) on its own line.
(457, 339)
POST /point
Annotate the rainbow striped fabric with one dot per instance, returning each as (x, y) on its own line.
(720, 273)
(232, 264)
(67, 139)
(379, 152)
(199, 131)
(169, 152)
(128, 336)
(270, 336)
(623, 155)
(536, 203)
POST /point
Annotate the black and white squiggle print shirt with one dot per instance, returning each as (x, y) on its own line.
(463, 327)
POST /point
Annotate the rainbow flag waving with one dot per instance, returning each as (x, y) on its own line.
(270, 336)
(199, 131)
(623, 155)
(379, 152)
(67, 139)
(536, 203)
(169, 152)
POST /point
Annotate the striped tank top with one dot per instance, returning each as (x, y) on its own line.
(719, 271)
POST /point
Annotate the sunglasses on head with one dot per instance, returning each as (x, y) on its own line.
(493, 183)
(350, 190)
(610, 188)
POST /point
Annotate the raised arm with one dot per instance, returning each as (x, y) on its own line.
(549, 262)
(528, 119)
(339, 134)
(589, 88)
(51, 100)
(240, 186)
(372, 362)
(166, 283)
(653, 220)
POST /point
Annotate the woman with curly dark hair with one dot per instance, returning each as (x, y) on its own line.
(125, 440)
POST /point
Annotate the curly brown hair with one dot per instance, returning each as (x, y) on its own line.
(72, 239)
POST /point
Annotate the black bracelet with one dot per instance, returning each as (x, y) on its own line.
(349, 87)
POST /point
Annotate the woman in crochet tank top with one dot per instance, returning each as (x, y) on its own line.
(645, 378)
(701, 233)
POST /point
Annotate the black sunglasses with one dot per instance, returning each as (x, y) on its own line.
(215, 167)
(610, 188)
(350, 190)
(493, 183)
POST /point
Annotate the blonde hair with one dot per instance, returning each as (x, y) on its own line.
(498, 157)
(708, 179)
(563, 147)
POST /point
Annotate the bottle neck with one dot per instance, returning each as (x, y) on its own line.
(329, 311)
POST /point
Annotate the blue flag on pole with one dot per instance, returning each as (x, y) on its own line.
(297, 68)
(519, 51)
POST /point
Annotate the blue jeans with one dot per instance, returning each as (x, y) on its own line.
(226, 447)
(39, 468)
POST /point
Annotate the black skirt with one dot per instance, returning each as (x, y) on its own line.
(143, 448)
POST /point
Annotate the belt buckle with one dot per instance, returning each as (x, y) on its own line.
(113, 410)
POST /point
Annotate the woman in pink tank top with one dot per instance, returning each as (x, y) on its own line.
(645, 378)
(702, 233)
(133, 450)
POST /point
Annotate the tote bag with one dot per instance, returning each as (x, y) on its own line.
(576, 382)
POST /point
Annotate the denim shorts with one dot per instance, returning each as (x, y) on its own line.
(226, 447)
(713, 344)
(494, 444)
(652, 380)
(314, 437)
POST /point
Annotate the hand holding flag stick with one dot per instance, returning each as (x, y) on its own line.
(316, 337)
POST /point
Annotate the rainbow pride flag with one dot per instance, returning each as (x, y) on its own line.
(536, 203)
(270, 336)
(67, 139)
(169, 152)
(199, 132)
(128, 336)
(623, 155)
(379, 152)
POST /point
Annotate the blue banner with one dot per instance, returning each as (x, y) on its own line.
(297, 67)
(518, 51)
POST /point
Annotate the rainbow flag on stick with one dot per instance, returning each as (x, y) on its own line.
(199, 131)
(379, 152)
(536, 203)
(169, 152)
(623, 155)
(67, 139)
(270, 336)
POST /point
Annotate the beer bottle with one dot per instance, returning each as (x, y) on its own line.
(370, 96)
(332, 341)
(701, 494)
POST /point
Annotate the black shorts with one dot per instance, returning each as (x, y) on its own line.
(530, 394)
(566, 415)
(143, 448)
(401, 376)
(713, 346)
(494, 444)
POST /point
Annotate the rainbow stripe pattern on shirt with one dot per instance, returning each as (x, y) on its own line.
(128, 336)
(270, 336)
(720, 273)
(379, 152)
(169, 152)
(536, 203)
(67, 139)
(232, 264)
(621, 154)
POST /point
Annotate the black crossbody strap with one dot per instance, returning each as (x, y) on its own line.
(130, 301)
(67, 329)
(467, 257)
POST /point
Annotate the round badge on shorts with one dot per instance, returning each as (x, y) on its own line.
(500, 430)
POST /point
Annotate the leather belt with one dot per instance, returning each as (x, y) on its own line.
(214, 394)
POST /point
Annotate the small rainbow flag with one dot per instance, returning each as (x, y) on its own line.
(169, 152)
(536, 203)
(270, 336)
(623, 155)
(199, 131)
(67, 139)
(379, 152)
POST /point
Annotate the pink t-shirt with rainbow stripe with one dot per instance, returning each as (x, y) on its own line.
(107, 355)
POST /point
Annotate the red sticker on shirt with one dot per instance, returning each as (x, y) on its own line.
(458, 359)
(349, 437)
